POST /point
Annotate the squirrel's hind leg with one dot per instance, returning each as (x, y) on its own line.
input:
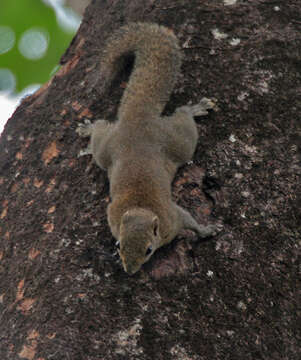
(98, 132)
(85, 130)
(199, 109)
(101, 142)
(181, 131)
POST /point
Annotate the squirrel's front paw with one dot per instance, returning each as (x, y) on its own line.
(216, 228)
(210, 230)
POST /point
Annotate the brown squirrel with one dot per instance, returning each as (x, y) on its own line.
(142, 150)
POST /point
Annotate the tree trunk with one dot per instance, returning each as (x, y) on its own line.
(63, 295)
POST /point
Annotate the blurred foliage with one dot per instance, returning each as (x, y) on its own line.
(17, 17)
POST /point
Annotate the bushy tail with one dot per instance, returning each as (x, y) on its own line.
(156, 66)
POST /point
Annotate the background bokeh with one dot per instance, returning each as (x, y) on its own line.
(33, 36)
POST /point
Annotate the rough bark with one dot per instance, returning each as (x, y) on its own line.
(62, 293)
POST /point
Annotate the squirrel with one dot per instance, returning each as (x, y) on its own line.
(142, 150)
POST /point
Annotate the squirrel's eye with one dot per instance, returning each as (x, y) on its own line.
(148, 251)
(117, 244)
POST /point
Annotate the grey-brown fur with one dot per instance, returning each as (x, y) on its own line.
(142, 150)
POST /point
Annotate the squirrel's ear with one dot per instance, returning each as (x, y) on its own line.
(156, 225)
(126, 217)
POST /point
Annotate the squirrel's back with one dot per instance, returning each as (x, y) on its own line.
(156, 66)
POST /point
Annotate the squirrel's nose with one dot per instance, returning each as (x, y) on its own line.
(131, 270)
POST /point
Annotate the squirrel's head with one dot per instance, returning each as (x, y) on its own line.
(139, 238)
